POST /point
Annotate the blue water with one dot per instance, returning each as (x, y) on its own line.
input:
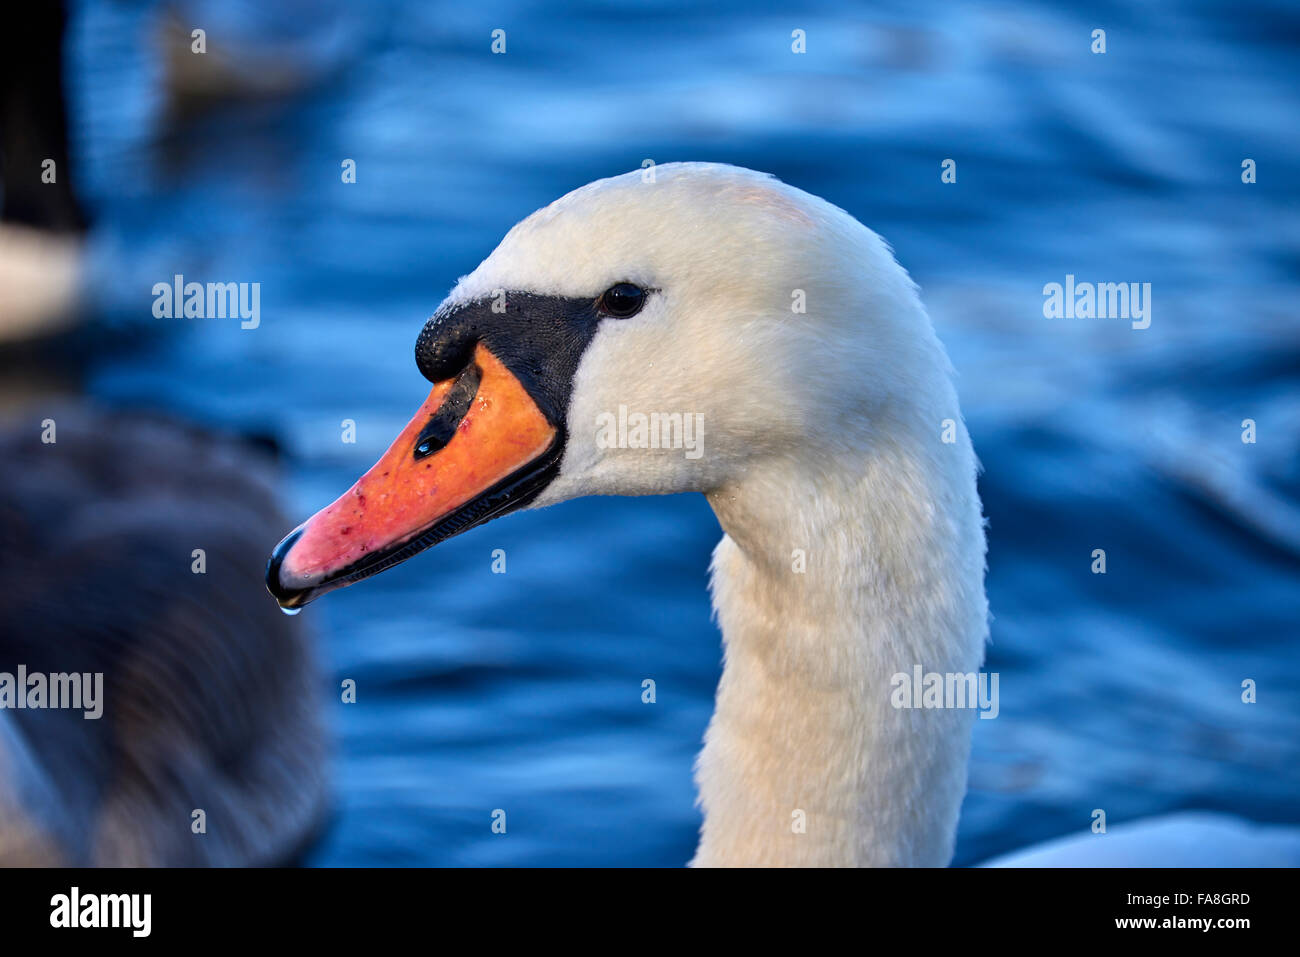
(522, 691)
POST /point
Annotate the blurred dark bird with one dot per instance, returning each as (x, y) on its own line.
(209, 702)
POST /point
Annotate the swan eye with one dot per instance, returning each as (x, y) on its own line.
(621, 300)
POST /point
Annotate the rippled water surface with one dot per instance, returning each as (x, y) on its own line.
(522, 691)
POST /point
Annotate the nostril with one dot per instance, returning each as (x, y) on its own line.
(442, 424)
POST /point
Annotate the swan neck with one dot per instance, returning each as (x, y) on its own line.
(826, 586)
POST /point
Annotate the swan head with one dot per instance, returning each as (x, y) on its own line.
(668, 330)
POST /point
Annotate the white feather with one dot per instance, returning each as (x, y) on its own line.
(822, 432)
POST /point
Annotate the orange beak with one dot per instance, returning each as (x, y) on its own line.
(478, 447)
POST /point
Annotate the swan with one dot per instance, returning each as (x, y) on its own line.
(204, 704)
(832, 451)
(697, 327)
